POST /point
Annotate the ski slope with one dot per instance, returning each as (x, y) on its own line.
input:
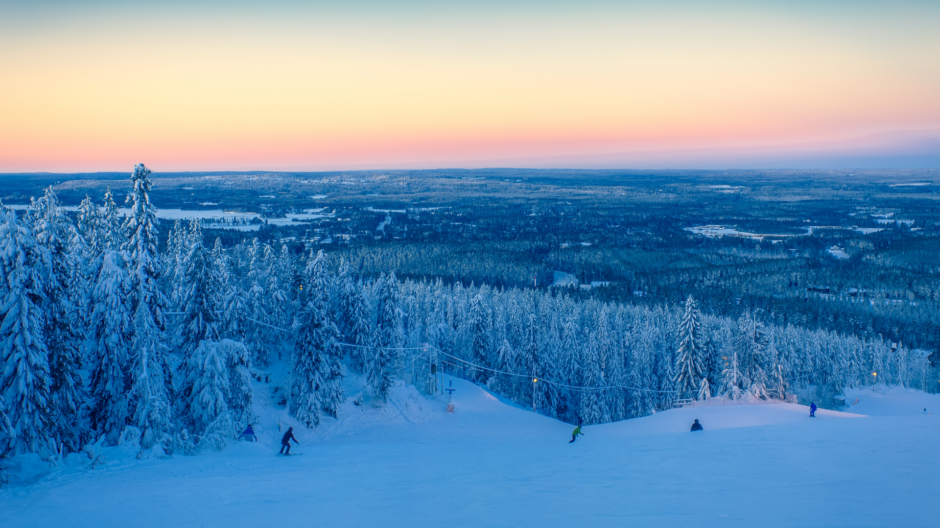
(492, 464)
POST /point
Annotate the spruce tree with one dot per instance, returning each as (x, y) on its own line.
(111, 225)
(689, 371)
(750, 346)
(389, 318)
(732, 378)
(89, 226)
(7, 435)
(63, 325)
(240, 395)
(361, 331)
(479, 348)
(110, 336)
(151, 386)
(25, 383)
(199, 299)
(316, 371)
(592, 409)
(380, 377)
(571, 370)
(211, 416)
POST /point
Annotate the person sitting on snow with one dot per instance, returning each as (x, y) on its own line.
(812, 409)
(249, 434)
(576, 432)
(285, 441)
(696, 426)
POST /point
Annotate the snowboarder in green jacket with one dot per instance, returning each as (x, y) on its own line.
(576, 432)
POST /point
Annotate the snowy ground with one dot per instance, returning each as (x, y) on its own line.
(491, 464)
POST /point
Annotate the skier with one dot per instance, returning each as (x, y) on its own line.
(812, 409)
(285, 441)
(576, 432)
(249, 434)
(696, 426)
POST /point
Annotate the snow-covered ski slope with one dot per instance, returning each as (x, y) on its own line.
(492, 464)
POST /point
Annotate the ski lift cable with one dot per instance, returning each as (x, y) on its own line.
(473, 365)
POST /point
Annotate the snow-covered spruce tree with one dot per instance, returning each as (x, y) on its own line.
(592, 406)
(506, 357)
(151, 386)
(689, 371)
(111, 225)
(480, 345)
(704, 390)
(7, 440)
(258, 316)
(199, 299)
(174, 266)
(289, 277)
(63, 326)
(639, 376)
(343, 289)
(617, 396)
(89, 226)
(211, 417)
(198, 325)
(278, 303)
(732, 377)
(750, 345)
(361, 332)
(534, 392)
(380, 377)
(389, 325)
(109, 338)
(7, 432)
(571, 370)
(233, 299)
(711, 364)
(778, 385)
(24, 359)
(316, 368)
(240, 393)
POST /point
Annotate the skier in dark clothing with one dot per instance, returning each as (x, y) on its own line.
(249, 434)
(696, 426)
(285, 441)
(812, 409)
(576, 432)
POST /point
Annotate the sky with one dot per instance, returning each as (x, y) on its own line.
(363, 84)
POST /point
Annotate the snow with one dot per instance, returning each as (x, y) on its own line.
(891, 401)
(492, 464)
(837, 252)
(717, 231)
(563, 279)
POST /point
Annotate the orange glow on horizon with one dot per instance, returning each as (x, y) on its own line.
(240, 93)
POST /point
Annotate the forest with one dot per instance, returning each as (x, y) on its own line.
(117, 325)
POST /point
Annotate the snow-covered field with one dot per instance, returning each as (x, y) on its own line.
(492, 464)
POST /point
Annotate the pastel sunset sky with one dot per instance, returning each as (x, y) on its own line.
(357, 84)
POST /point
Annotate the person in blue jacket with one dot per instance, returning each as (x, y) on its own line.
(249, 434)
(812, 409)
(696, 426)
